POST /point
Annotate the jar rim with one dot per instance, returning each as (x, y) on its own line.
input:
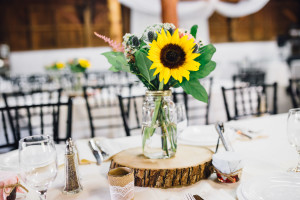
(159, 93)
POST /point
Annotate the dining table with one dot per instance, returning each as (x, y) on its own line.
(267, 153)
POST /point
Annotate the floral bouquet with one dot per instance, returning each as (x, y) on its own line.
(56, 66)
(163, 57)
(79, 65)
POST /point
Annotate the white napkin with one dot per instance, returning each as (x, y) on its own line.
(210, 193)
(110, 146)
(203, 135)
(227, 162)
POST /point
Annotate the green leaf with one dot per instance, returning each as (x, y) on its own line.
(113, 69)
(194, 88)
(117, 60)
(194, 31)
(144, 64)
(204, 70)
(206, 54)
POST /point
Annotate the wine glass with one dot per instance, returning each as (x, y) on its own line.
(293, 133)
(38, 162)
(181, 118)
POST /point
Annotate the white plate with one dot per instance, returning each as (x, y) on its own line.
(10, 161)
(203, 135)
(275, 187)
(239, 193)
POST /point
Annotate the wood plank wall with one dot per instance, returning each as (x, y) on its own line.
(50, 24)
(274, 19)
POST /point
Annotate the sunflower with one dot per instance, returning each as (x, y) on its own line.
(59, 65)
(84, 63)
(173, 56)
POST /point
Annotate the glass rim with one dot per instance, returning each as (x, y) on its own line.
(158, 93)
(45, 139)
(294, 110)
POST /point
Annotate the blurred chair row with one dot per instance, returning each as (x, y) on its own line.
(36, 112)
(124, 100)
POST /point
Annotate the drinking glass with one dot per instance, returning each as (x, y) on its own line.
(38, 162)
(293, 133)
(181, 118)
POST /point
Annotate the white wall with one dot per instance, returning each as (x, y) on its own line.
(29, 62)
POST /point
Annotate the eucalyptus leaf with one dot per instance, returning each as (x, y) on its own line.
(144, 64)
(194, 30)
(194, 88)
(204, 70)
(117, 59)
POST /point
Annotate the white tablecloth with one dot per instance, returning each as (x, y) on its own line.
(262, 156)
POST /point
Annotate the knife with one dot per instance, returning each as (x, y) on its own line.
(95, 151)
(220, 129)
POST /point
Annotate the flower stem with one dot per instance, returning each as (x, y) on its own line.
(150, 130)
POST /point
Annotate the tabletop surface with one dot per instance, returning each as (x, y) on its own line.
(262, 156)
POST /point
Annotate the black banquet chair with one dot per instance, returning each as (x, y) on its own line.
(38, 112)
(131, 110)
(8, 140)
(294, 90)
(197, 112)
(24, 120)
(103, 106)
(246, 101)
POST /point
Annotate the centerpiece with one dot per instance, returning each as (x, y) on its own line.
(78, 66)
(163, 57)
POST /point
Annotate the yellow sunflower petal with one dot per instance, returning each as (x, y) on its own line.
(158, 70)
(175, 37)
(192, 66)
(167, 75)
(174, 74)
(185, 73)
(180, 79)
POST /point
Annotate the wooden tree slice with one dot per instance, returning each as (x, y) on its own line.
(190, 165)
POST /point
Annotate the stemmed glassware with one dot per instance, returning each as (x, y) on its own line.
(38, 162)
(181, 118)
(293, 133)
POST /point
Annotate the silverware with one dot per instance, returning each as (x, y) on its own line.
(96, 152)
(189, 196)
(220, 129)
(197, 197)
(240, 132)
(103, 152)
(243, 134)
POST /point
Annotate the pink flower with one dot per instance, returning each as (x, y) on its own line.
(183, 33)
(115, 45)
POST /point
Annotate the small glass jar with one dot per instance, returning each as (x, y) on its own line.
(159, 125)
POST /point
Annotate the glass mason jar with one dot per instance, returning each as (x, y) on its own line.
(159, 125)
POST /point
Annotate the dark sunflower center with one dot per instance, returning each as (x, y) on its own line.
(172, 56)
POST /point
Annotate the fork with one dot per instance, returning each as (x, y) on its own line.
(189, 196)
(103, 152)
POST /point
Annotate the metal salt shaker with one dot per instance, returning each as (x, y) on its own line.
(72, 180)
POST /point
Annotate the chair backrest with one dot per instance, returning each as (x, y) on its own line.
(27, 120)
(131, 110)
(8, 140)
(32, 97)
(33, 106)
(249, 100)
(103, 106)
(32, 82)
(197, 112)
(249, 78)
(294, 89)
